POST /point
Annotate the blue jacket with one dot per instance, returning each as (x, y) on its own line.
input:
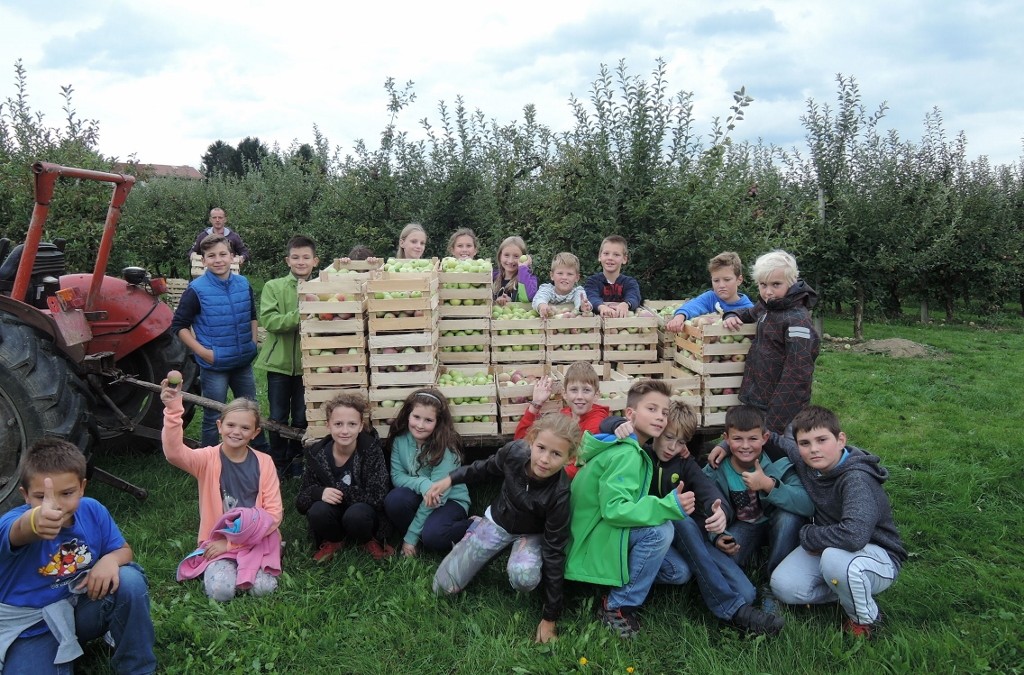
(224, 322)
(707, 302)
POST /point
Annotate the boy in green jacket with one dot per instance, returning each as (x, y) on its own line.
(280, 355)
(620, 533)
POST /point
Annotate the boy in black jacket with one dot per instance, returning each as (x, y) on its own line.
(852, 549)
(531, 513)
(725, 588)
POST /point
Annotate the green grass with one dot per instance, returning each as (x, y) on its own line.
(948, 428)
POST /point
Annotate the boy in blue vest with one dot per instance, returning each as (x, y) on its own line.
(216, 319)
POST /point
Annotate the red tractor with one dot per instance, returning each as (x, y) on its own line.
(66, 339)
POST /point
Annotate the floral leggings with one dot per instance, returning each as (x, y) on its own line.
(484, 540)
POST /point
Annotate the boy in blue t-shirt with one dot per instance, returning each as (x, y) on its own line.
(726, 277)
(59, 545)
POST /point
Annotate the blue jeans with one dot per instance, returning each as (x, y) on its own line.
(781, 532)
(723, 585)
(125, 613)
(215, 386)
(287, 398)
(445, 526)
(648, 563)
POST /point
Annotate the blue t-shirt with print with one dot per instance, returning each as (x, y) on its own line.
(45, 571)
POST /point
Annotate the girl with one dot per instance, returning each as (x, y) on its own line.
(424, 448)
(230, 475)
(531, 512)
(412, 242)
(513, 281)
(463, 244)
(345, 482)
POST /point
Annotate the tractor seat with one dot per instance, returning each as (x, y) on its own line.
(49, 261)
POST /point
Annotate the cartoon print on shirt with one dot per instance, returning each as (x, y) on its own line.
(69, 559)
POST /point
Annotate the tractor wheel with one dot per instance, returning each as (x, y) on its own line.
(151, 363)
(40, 395)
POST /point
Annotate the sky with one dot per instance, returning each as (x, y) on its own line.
(165, 80)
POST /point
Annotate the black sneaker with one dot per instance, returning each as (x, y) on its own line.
(753, 620)
(623, 623)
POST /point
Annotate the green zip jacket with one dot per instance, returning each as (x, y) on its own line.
(279, 314)
(610, 497)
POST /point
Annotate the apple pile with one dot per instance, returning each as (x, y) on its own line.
(401, 367)
(482, 346)
(406, 266)
(632, 330)
(455, 265)
(459, 379)
(513, 313)
(332, 352)
(328, 297)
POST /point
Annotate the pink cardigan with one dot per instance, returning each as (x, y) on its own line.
(204, 464)
(255, 545)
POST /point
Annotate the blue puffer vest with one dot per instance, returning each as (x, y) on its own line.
(224, 323)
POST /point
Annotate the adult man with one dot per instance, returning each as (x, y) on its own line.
(218, 225)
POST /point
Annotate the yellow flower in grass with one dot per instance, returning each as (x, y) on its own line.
(583, 660)
(629, 669)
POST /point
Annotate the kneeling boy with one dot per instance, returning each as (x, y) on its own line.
(853, 549)
(67, 573)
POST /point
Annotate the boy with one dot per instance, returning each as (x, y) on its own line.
(281, 356)
(216, 319)
(726, 590)
(726, 277)
(620, 534)
(579, 392)
(610, 292)
(767, 497)
(853, 549)
(60, 544)
(780, 366)
(565, 272)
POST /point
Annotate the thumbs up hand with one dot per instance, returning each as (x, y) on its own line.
(687, 499)
(716, 521)
(49, 517)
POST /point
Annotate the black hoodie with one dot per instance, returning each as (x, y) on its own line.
(780, 366)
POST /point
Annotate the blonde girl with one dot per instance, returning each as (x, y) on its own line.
(513, 280)
(412, 242)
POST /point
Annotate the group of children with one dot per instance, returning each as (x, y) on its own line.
(618, 502)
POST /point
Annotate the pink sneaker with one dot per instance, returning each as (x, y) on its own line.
(327, 550)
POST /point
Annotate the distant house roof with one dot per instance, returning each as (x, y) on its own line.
(162, 170)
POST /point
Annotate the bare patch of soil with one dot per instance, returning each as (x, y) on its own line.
(897, 348)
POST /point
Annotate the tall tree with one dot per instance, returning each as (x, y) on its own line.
(222, 159)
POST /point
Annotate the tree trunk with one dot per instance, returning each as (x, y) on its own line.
(949, 305)
(858, 314)
(924, 311)
(893, 304)
(839, 306)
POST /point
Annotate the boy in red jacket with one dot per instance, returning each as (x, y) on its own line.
(580, 391)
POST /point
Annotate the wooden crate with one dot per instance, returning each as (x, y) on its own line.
(401, 305)
(175, 287)
(614, 385)
(199, 267)
(472, 401)
(382, 414)
(666, 340)
(465, 294)
(464, 341)
(527, 334)
(577, 339)
(353, 270)
(347, 316)
(514, 399)
(703, 345)
(391, 362)
(316, 416)
(345, 363)
(630, 339)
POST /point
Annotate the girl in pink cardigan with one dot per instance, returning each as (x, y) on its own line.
(230, 475)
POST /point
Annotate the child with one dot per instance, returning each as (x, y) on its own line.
(610, 292)
(565, 272)
(231, 476)
(852, 550)
(726, 590)
(345, 482)
(216, 318)
(424, 448)
(58, 545)
(280, 355)
(780, 366)
(463, 244)
(531, 513)
(412, 242)
(767, 497)
(620, 534)
(579, 393)
(726, 277)
(358, 252)
(513, 280)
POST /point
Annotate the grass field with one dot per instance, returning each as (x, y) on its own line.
(947, 426)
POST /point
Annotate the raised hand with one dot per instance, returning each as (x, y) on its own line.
(716, 521)
(542, 390)
(687, 499)
(49, 516)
